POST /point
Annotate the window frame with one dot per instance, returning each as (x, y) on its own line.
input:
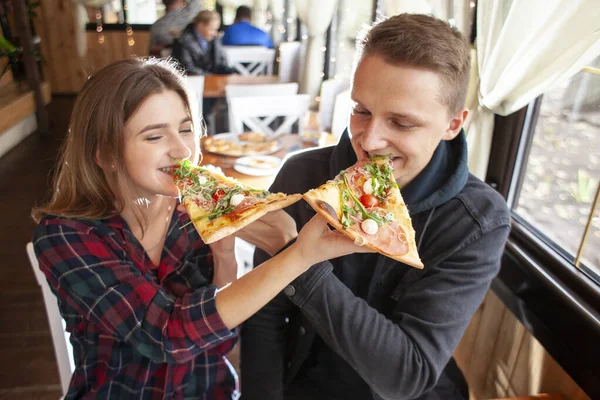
(555, 300)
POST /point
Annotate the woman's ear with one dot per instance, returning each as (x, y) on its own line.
(109, 168)
(456, 124)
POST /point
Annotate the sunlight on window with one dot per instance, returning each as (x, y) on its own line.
(563, 167)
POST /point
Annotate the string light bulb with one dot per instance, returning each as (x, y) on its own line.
(99, 27)
(128, 28)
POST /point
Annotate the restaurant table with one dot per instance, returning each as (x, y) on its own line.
(290, 143)
(214, 85)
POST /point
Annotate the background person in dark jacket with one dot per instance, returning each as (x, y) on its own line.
(243, 33)
(365, 326)
(198, 49)
(178, 15)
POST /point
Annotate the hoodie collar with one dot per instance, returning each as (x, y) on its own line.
(442, 179)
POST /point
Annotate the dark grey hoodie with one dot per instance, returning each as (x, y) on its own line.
(366, 326)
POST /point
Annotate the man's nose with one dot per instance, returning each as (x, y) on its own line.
(373, 136)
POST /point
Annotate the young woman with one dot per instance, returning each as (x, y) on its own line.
(147, 303)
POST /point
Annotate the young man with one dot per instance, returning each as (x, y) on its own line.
(198, 49)
(176, 18)
(243, 33)
(365, 326)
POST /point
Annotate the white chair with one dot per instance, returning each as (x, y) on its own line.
(341, 113)
(259, 112)
(275, 89)
(270, 89)
(290, 61)
(330, 88)
(250, 60)
(195, 84)
(60, 338)
(244, 254)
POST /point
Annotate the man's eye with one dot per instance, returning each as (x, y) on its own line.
(360, 112)
(153, 138)
(186, 130)
(403, 126)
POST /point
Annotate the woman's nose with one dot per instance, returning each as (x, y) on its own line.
(180, 150)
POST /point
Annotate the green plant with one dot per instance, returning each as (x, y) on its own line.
(583, 190)
(11, 52)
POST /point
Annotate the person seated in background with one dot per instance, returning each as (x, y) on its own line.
(198, 49)
(243, 33)
(176, 18)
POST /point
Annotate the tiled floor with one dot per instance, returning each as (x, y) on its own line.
(27, 365)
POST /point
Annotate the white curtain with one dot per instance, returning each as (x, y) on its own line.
(259, 11)
(393, 7)
(523, 48)
(316, 15)
(277, 10)
(456, 12)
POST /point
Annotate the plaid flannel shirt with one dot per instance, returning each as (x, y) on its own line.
(137, 330)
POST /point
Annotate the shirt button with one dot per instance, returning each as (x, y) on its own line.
(302, 331)
(289, 290)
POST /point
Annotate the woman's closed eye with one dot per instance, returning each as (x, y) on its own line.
(153, 138)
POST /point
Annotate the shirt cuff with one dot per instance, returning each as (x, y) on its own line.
(201, 320)
(301, 288)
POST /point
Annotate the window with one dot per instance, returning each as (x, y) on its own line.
(351, 19)
(138, 11)
(560, 172)
(133, 12)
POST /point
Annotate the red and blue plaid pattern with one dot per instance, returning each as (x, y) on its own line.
(138, 330)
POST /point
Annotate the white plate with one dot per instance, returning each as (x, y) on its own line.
(232, 137)
(258, 165)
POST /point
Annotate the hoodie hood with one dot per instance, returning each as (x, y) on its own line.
(442, 179)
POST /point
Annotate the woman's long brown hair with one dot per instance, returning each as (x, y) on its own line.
(81, 188)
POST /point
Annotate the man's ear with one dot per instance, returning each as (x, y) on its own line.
(455, 124)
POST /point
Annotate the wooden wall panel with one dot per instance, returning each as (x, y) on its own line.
(485, 341)
(506, 351)
(465, 346)
(500, 359)
(65, 69)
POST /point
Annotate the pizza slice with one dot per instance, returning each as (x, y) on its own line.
(364, 202)
(218, 205)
